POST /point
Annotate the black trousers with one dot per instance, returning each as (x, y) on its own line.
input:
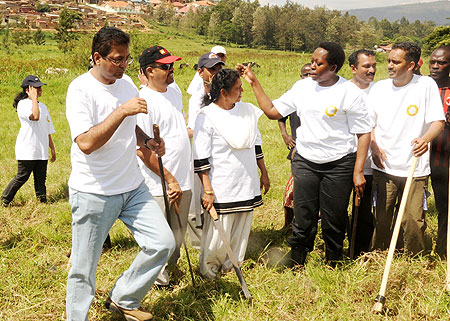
(24, 170)
(326, 187)
(439, 182)
(365, 223)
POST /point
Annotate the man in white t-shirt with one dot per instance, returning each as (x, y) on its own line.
(407, 114)
(364, 66)
(106, 183)
(196, 85)
(165, 108)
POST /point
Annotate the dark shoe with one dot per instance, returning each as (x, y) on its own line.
(298, 255)
(129, 315)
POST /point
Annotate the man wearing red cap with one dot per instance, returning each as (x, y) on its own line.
(165, 108)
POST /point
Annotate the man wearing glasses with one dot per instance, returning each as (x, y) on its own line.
(165, 108)
(106, 183)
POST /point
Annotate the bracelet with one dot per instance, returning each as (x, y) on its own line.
(209, 192)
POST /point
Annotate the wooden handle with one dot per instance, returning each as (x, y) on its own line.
(213, 214)
(357, 200)
(156, 136)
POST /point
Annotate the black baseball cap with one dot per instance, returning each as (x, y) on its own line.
(156, 54)
(209, 60)
(33, 81)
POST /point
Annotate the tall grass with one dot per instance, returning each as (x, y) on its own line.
(34, 237)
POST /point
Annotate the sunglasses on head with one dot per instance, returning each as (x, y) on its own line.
(163, 66)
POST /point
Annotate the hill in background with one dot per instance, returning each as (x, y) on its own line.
(435, 11)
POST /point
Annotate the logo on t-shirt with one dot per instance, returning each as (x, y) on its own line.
(447, 101)
(412, 110)
(331, 111)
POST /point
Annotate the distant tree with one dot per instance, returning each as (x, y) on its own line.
(439, 37)
(214, 21)
(243, 21)
(263, 27)
(21, 37)
(43, 7)
(366, 36)
(39, 37)
(65, 36)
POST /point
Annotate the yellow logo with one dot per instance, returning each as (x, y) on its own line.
(412, 110)
(331, 111)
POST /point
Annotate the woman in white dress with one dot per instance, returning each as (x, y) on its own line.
(227, 154)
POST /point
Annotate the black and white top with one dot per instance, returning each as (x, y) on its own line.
(227, 143)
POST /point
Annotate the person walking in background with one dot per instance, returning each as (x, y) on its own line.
(289, 140)
(329, 160)
(406, 116)
(33, 141)
(363, 66)
(196, 86)
(439, 151)
(227, 154)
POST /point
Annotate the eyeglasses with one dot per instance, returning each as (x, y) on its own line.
(163, 66)
(118, 62)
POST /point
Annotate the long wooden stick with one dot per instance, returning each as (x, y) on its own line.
(356, 203)
(381, 299)
(448, 236)
(229, 250)
(166, 201)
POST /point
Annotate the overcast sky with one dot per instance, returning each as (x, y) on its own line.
(345, 4)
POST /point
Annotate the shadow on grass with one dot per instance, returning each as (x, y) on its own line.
(62, 193)
(187, 303)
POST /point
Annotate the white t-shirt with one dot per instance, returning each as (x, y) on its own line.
(166, 110)
(196, 85)
(113, 168)
(368, 163)
(195, 104)
(330, 118)
(401, 114)
(234, 174)
(32, 141)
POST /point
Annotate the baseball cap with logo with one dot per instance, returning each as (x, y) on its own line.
(33, 81)
(156, 54)
(209, 60)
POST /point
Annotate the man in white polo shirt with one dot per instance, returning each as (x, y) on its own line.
(165, 108)
(106, 183)
(407, 115)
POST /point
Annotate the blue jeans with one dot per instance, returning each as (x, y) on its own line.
(92, 217)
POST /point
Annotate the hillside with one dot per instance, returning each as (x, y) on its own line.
(435, 11)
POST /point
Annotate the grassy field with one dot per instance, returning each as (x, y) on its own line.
(34, 237)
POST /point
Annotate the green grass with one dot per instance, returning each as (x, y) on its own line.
(34, 237)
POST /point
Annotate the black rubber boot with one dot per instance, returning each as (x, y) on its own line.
(298, 256)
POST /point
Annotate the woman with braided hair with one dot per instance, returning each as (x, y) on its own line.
(227, 154)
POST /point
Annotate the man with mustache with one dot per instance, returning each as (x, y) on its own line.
(439, 154)
(165, 108)
(364, 66)
(407, 115)
(106, 184)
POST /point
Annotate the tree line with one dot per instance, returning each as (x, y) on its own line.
(290, 27)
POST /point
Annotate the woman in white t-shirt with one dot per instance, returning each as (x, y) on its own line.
(32, 141)
(227, 154)
(328, 160)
